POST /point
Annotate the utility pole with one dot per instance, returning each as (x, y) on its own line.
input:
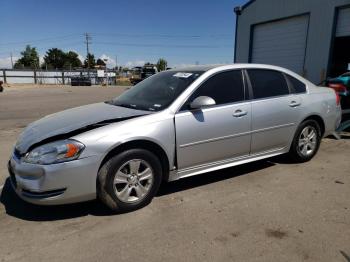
(116, 66)
(106, 60)
(87, 42)
(11, 60)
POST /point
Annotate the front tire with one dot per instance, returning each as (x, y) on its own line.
(129, 180)
(306, 141)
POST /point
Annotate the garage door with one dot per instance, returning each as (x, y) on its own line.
(343, 24)
(281, 43)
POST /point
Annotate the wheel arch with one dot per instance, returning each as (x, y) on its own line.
(142, 144)
(319, 120)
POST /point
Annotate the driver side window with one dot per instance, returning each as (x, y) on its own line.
(225, 87)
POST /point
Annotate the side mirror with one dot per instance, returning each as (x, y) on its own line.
(202, 102)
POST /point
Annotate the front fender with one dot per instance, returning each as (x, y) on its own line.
(103, 140)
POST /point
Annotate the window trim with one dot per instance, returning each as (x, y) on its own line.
(251, 92)
(291, 86)
(245, 91)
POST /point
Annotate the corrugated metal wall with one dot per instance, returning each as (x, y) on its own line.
(343, 24)
(281, 43)
(319, 39)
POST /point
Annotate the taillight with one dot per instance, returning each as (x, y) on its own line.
(337, 98)
(338, 87)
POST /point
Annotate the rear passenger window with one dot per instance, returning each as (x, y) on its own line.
(296, 85)
(225, 87)
(267, 83)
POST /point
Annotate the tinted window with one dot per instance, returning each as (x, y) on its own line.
(296, 85)
(225, 87)
(267, 83)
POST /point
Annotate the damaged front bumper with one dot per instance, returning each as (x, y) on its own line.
(55, 184)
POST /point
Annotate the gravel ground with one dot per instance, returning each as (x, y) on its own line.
(271, 210)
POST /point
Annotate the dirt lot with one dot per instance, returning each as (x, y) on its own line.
(271, 210)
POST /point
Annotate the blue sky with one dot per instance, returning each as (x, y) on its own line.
(182, 32)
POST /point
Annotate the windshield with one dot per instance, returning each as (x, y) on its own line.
(156, 92)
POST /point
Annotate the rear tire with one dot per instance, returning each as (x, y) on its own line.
(129, 180)
(306, 141)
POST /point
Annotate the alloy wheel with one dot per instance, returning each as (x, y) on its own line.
(307, 141)
(133, 180)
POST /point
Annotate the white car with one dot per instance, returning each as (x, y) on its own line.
(175, 124)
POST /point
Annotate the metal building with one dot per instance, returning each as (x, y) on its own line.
(310, 37)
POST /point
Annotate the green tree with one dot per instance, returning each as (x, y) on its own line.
(54, 58)
(91, 59)
(100, 62)
(29, 59)
(72, 60)
(162, 64)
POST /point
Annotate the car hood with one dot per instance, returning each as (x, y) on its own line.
(76, 120)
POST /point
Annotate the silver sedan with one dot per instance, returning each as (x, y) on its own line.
(175, 124)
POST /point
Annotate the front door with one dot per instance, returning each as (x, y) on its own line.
(217, 133)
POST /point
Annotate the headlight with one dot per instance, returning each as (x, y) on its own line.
(56, 152)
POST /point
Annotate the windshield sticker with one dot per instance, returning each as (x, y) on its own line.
(183, 75)
(157, 105)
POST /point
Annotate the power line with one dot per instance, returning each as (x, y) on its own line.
(65, 37)
(43, 48)
(162, 45)
(49, 39)
(88, 38)
(179, 46)
(216, 36)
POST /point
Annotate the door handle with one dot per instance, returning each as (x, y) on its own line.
(294, 104)
(239, 113)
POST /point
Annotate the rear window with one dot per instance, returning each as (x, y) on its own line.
(267, 83)
(296, 85)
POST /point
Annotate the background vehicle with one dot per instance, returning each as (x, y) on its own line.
(80, 81)
(144, 72)
(136, 75)
(172, 125)
(148, 70)
(341, 85)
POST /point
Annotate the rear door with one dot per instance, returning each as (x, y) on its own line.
(219, 132)
(275, 111)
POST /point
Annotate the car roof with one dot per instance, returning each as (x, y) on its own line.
(194, 68)
(225, 66)
(218, 68)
